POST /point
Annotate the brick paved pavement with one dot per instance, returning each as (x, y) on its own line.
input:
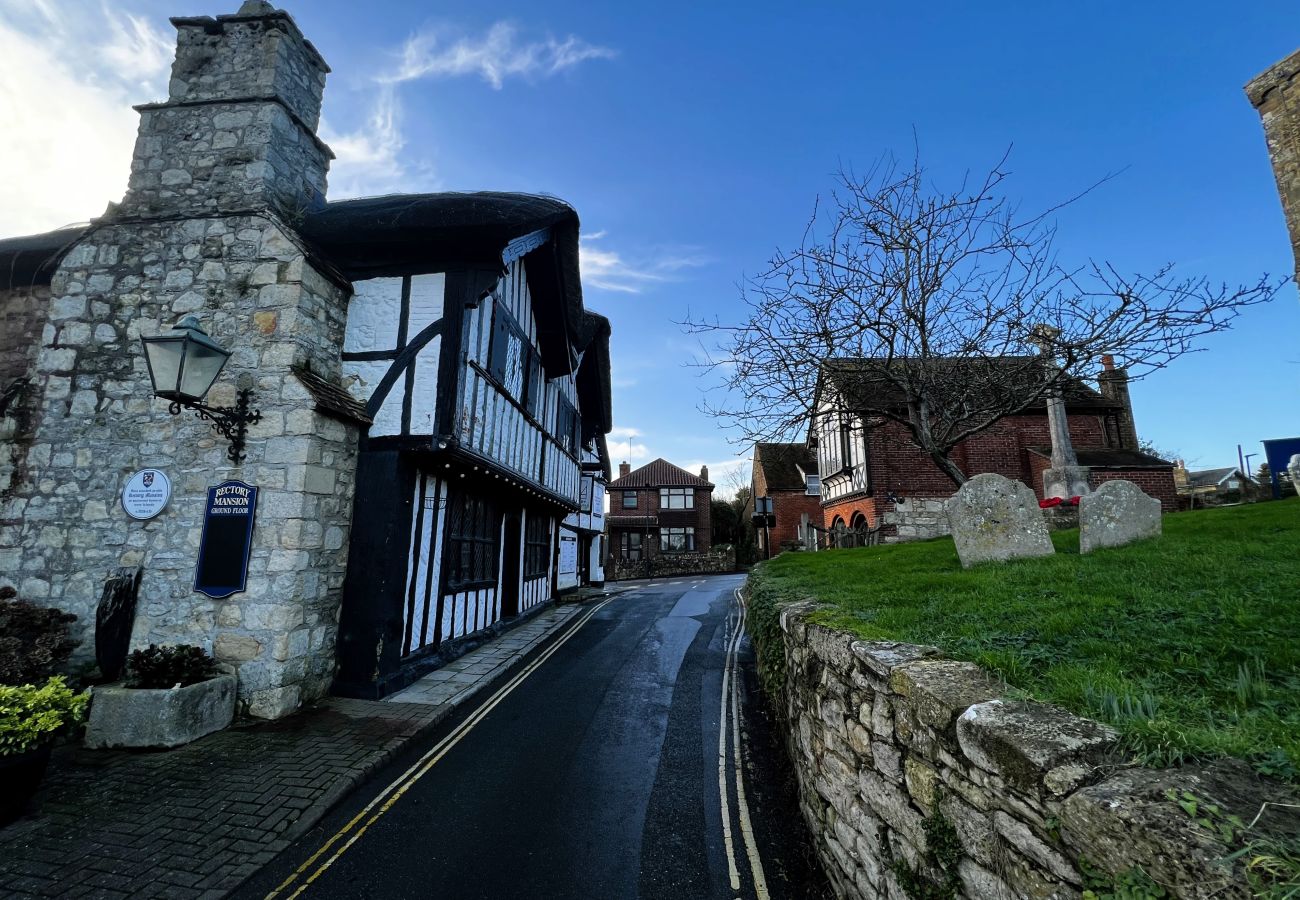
(196, 821)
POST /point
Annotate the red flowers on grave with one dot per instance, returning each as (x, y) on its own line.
(1058, 501)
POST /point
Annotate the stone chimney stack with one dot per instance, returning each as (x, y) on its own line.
(1181, 478)
(1113, 382)
(704, 472)
(1276, 97)
(624, 468)
(238, 130)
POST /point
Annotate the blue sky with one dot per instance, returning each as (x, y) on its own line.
(694, 138)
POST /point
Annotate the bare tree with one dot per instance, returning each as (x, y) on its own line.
(930, 301)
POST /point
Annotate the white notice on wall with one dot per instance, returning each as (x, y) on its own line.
(146, 493)
(568, 553)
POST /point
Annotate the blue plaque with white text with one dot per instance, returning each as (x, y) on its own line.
(227, 539)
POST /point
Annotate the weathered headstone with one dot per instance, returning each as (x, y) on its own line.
(114, 619)
(1293, 469)
(1115, 514)
(994, 519)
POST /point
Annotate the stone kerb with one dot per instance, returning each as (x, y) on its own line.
(1117, 513)
(996, 519)
(916, 773)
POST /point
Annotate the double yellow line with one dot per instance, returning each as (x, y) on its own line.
(731, 697)
(317, 864)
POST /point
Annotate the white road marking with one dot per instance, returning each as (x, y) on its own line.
(732, 870)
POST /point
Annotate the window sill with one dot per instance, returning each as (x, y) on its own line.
(471, 586)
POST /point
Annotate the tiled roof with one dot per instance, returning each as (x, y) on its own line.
(1108, 458)
(859, 379)
(659, 473)
(631, 521)
(781, 463)
(1209, 477)
(333, 400)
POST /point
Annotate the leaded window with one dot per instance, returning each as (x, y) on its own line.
(677, 498)
(513, 362)
(473, 542)
(676, 540)
(537, 546)
(567, 425)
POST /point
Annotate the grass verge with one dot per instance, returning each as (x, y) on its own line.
(1189, 643)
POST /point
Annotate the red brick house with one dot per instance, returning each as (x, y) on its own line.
(872, 476)
(658, 510)
(787, 475)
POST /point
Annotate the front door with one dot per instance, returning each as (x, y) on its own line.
(510, 568)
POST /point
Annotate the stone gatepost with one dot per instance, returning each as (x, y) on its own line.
(223, 169)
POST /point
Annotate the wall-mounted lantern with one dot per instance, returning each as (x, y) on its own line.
(183, 365)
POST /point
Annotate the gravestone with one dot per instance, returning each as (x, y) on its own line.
(1293, 469)
(994, 519)
(1115, 514)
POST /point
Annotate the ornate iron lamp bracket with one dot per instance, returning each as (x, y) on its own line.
(231, 424)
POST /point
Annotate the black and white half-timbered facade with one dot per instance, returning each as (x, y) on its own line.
(487, 383)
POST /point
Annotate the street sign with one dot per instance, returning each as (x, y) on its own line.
(222, 568)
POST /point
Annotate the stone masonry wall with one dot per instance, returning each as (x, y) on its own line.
(96, 421)
(919, 778)
(1276, 96)
(22, 315)
(665, 565)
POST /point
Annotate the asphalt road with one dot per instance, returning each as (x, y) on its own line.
(600, 775)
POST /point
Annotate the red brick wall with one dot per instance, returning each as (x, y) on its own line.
(899, 467)
(790, 507)
(871, 507)
(1158, 483)
(647, 504)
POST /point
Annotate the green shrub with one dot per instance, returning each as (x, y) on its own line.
(169, 666)
(33, 640)
(31, 714)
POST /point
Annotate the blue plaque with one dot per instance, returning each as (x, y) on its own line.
(227, 539)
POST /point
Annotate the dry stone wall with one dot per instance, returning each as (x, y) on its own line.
(666, 565)
(920, 778)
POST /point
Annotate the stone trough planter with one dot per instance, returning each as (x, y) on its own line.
(142, 717)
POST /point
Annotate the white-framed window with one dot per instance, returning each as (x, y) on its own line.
(677, 498)
(676, 540)
(813, 485)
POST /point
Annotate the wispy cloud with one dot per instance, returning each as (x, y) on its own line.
(728, 476)
(368, 159)
(606, 268)
(68, 77)
(498, 54)
(623, 444)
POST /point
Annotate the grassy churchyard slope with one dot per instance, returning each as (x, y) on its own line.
(1189, 643)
